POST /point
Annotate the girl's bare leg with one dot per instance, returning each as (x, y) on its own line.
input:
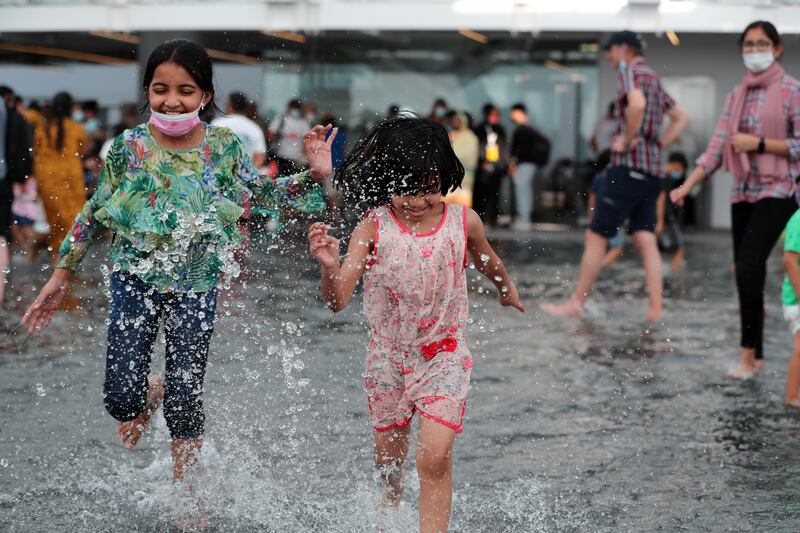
(185, 456)
(391, 449)
(793, 374)
(435, 468)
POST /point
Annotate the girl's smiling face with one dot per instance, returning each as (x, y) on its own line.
(174, 91)
(416, 207)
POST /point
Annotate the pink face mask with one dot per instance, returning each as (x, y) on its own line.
(176, 125)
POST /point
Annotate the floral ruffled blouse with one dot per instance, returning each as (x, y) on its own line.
(174, 213)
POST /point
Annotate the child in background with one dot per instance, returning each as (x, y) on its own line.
(791, 308)
(668, 229)
(23, 212)
(30, 222)
(412, 252)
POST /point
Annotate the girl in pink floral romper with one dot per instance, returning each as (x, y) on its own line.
(412, 251)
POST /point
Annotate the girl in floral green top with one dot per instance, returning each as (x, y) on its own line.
(172, 192)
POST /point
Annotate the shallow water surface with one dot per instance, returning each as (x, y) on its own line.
(605, 424)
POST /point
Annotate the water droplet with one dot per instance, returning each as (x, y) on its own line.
(4, 462)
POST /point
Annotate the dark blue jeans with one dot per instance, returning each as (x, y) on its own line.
(136, 313)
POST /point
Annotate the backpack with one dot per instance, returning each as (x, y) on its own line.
(541, 149)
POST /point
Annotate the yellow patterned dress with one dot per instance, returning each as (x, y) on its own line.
(59, 175)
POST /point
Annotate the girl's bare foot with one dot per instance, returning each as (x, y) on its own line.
(131, 431)
(569, 309)
(392, 496)
(193, 521)
(191, 514)
(391, 500)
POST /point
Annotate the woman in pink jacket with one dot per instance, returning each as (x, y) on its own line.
(757, 140)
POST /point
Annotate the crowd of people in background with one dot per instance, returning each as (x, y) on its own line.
(65, 143)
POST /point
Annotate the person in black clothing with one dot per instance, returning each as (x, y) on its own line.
(492, 164)
(19, 163)
(18, 166)
(530, 150)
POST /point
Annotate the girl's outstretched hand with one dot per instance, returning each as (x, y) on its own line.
(322, 246)
(510, 297)
(40, 313)
(317, 149)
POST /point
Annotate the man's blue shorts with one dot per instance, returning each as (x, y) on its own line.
(627, 194)
(598, 185)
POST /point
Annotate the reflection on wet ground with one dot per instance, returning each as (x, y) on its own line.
(608, 424)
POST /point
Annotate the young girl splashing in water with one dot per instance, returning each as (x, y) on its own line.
(172, 191)
(412, 252)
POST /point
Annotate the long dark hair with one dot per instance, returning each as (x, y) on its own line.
(398, 156)
(62, 109)
(767, 27)
(189, 55)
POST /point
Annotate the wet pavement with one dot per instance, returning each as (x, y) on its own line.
(605, 424)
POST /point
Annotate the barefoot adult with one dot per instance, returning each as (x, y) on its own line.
(757, 140)
(634, 177)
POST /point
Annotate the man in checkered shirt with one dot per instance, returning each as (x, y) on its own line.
(633, 178)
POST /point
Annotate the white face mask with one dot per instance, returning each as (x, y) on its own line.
(758, 61)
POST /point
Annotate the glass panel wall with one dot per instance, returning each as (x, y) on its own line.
(561, 98)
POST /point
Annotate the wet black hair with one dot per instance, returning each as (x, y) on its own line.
(680, 158)
(767, 27)
(189, 55)
(238, 101)
(62, 109)
(404, 155)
